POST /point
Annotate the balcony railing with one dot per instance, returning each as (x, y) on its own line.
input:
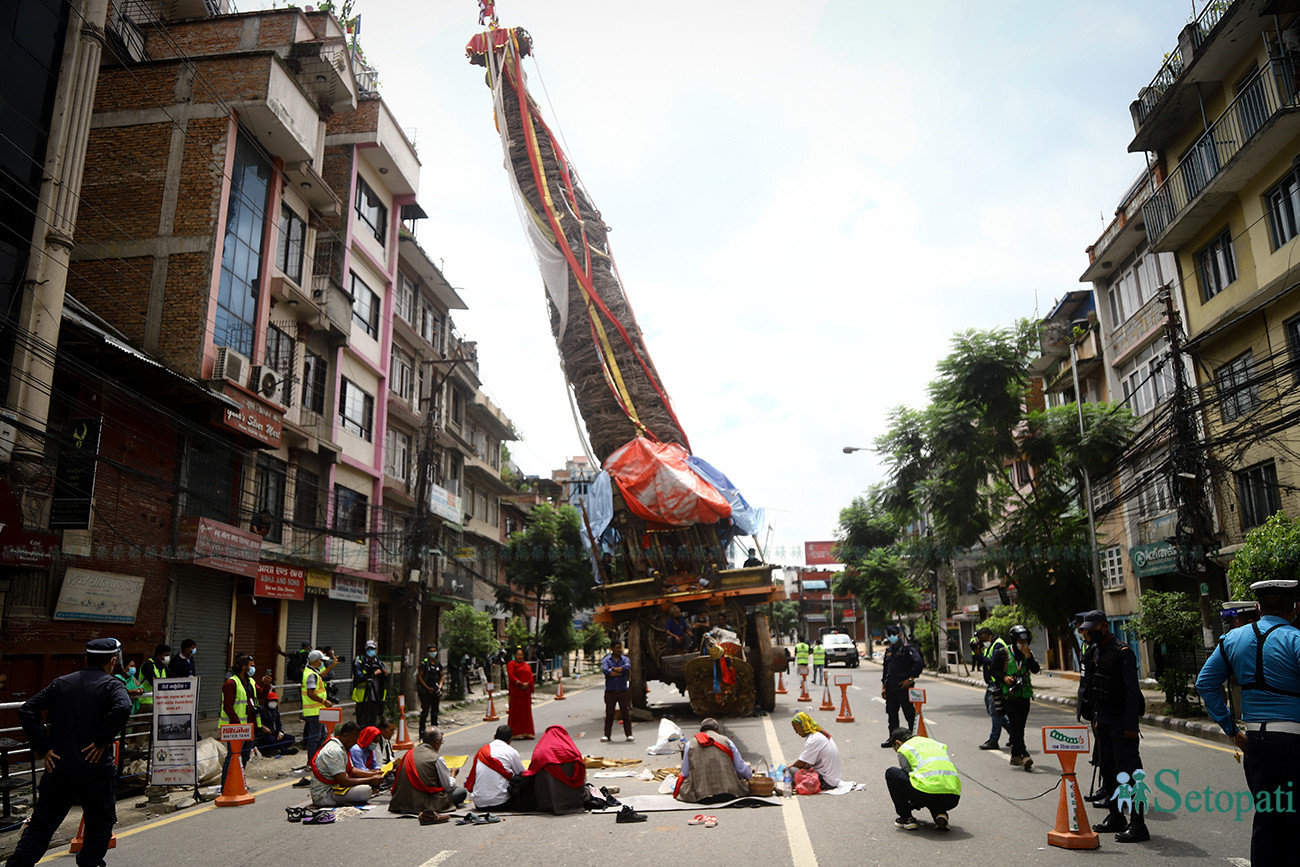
(1272, 89)
(1149, 97)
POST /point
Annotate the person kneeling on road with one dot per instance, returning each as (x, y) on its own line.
(819, 754)
(712, 768)
(925, 779)
(424, 783)
(334, 782)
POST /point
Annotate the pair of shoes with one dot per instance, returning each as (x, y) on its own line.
(989, 745)
(610, 800)
(1018, 761)
(302, 784)
(1098, 800)
(907, 823)
(1113, 822)
(296, 814)
(289, 751)
(1029, 763)
(1136, 833)
(706, 821)
(886, 745)
(433, 817)
(941, 822)
(604, 739)
(630, 739)
(320, 817)
(627, 814)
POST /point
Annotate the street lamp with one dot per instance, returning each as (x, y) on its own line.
(848, 450)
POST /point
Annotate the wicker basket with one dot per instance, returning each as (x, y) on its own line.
(761, 785)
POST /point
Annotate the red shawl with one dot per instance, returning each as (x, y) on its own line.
(311, 762)
(413, 776)
(553, 749)
(485, 756)
(367, 737)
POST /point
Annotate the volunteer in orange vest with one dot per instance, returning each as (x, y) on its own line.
(492, 769)
(423, 784)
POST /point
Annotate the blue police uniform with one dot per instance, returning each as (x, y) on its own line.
(1265, 658)
(85, 707)
(902, 662)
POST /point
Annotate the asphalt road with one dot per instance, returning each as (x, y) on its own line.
(994, 822)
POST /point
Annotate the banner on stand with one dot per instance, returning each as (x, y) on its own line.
(175, 730)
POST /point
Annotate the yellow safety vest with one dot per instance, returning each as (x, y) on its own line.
(310, 706)
(931, 770)
(241, 700)
(819, 654)
(801, 654)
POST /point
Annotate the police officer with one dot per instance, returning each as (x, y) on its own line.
(1265, 658)
(1012, 667)
(902, 663)
(87, 710)
(1113, 702)
(982, 648)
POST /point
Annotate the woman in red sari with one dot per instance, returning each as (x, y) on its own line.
(519, 677)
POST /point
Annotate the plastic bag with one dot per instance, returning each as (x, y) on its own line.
(669, 785)
(806, 782)
(670, 739)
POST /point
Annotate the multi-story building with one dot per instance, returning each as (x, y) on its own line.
(1220, 122)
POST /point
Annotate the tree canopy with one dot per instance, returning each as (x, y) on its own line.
(547, 563)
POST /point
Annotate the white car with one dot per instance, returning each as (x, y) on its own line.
(840, 648)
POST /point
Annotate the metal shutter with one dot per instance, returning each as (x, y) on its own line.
(203, 613)
(298, 629)
(336, 626)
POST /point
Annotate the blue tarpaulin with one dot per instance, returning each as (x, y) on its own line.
(746, 518)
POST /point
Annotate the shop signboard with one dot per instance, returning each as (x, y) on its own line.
(444, 504)
(819, 554)
(350, 589)
(278, 581)
(220, 546)
(105, 597)
(74, 480)
(1156, 559)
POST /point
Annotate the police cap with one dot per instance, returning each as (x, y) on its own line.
(103, 647)
(1276, 585)
(892, 629)
(1093, 619)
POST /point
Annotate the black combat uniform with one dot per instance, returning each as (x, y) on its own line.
(902, 662)
(88, 707)
(1113, 702)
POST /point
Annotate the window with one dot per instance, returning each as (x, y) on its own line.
(457, 407)
(293, 239)
(313, 382)
(1154, 497)
(1147, 377)
(306, 498)
(406, 300)
(350, 514)
(1283, 202)
(1238, 394)
(401, 376)
(279, 357)
(365, 307)
(371, 210)
(356, 411)
(429, 326)
(1257, 488)
(397, 455)
(241, 253)
(1293, 343)
(212, 480)
(1216, 266)
(272, 474)
(1112, 568)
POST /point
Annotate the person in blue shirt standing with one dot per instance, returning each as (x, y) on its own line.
(1265, 657)
(618, 693)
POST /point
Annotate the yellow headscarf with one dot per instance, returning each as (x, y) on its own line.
(806, 724)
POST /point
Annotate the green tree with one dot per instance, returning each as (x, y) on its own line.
(1003, 617)
(546, 561)
(785, 616)
(466, 632)
(1269, 552)
(1173, 620)
(594, 639)
(879, 582)
(517, 633)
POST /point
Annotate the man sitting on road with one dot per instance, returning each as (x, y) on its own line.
(819, 754)
(925, 779)
(334, 782)
(492, 769)
(423, 782)
(712, 769)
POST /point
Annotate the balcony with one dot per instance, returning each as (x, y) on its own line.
(1136, 331)
(1126, 232)
(1190, 40)
(336, 304)
(1229, 155)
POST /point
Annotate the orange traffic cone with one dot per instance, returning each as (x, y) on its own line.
(920, 720)
(234, 793)
(403, 741)
(1072, 830)
(559, 693)
(491, 715)
(803, 688)
(846, 713)
(780, 683)
(79, 840)
(827, 704)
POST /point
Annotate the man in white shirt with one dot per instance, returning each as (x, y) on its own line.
(491, 770)
(334, 781)
(819, 754)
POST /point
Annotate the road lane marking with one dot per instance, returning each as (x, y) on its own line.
(796, 831)
(439, 858)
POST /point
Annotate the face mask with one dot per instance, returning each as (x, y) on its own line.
(252, 669)
(988, 644)
(893, 639)
(131, 671)
(194, 651)
(273, 704)
(370, 653)
(166, 659)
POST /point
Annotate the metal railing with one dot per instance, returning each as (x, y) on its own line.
(1271, 90)
(1149, 97)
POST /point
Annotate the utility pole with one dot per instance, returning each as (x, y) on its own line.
(1098, 597)
(1194, 532)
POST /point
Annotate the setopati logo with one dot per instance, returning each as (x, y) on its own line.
(1166, 797)
(1058, 735)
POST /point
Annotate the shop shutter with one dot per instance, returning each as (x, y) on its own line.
(298, 629)
(203, 613)
(336, 626)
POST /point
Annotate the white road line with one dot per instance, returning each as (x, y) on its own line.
(796, 832)
(439, 858)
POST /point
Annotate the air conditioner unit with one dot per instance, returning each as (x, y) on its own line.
(231, 366)
(270, 384)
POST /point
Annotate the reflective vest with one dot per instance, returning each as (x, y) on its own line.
(801, 654)
(819, 654)
(242, 700)
(931, 771)
(310, 706)
(1016, 669)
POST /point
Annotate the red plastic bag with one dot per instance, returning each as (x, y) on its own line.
(807, 782)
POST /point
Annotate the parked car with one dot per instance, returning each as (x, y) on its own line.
(840, 648)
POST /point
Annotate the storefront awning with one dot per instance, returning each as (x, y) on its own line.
(813, 585)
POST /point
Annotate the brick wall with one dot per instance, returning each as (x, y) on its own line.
(122, 189)
(188, 294)
(364, 119)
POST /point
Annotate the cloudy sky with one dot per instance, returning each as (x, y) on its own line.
(808, 197)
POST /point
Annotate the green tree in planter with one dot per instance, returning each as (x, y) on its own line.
(466, 632)
(1172, 620)
(1270, 552)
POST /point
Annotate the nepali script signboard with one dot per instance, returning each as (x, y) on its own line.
(174, 730)
(1066, 739)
